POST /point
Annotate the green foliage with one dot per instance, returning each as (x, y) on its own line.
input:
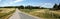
(59, 6)
(56, 7)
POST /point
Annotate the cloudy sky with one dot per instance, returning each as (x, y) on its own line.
(42, 3)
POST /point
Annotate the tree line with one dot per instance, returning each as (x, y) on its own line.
(55, 7)
(22, 7)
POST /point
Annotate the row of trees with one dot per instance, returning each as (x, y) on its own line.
(57, 7)
(29, 7)
(22, 7)
(32, 7)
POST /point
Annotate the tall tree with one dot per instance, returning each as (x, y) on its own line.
(59, 6)
(55, 6)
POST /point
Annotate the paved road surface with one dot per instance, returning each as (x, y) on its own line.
(15, 15)
(19, 15)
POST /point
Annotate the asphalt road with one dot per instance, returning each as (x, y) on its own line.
(15, 15)
(20, 15)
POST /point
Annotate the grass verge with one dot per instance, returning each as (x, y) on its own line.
(43, 13)
(6, 15)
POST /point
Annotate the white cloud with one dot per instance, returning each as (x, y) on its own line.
(16, 1)
(10, 2)
(48, 5)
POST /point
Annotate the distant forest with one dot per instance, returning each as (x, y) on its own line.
(32, 7)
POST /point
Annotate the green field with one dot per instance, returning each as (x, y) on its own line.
(43, 13)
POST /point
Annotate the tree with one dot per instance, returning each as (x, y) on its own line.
(55, 6)
(22, 7)
(59, 6)
(29, 7)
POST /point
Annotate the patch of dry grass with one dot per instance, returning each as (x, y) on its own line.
(43, 13)
(5, 12)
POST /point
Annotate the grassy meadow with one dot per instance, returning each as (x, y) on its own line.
(43, 13)
(5, 13)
